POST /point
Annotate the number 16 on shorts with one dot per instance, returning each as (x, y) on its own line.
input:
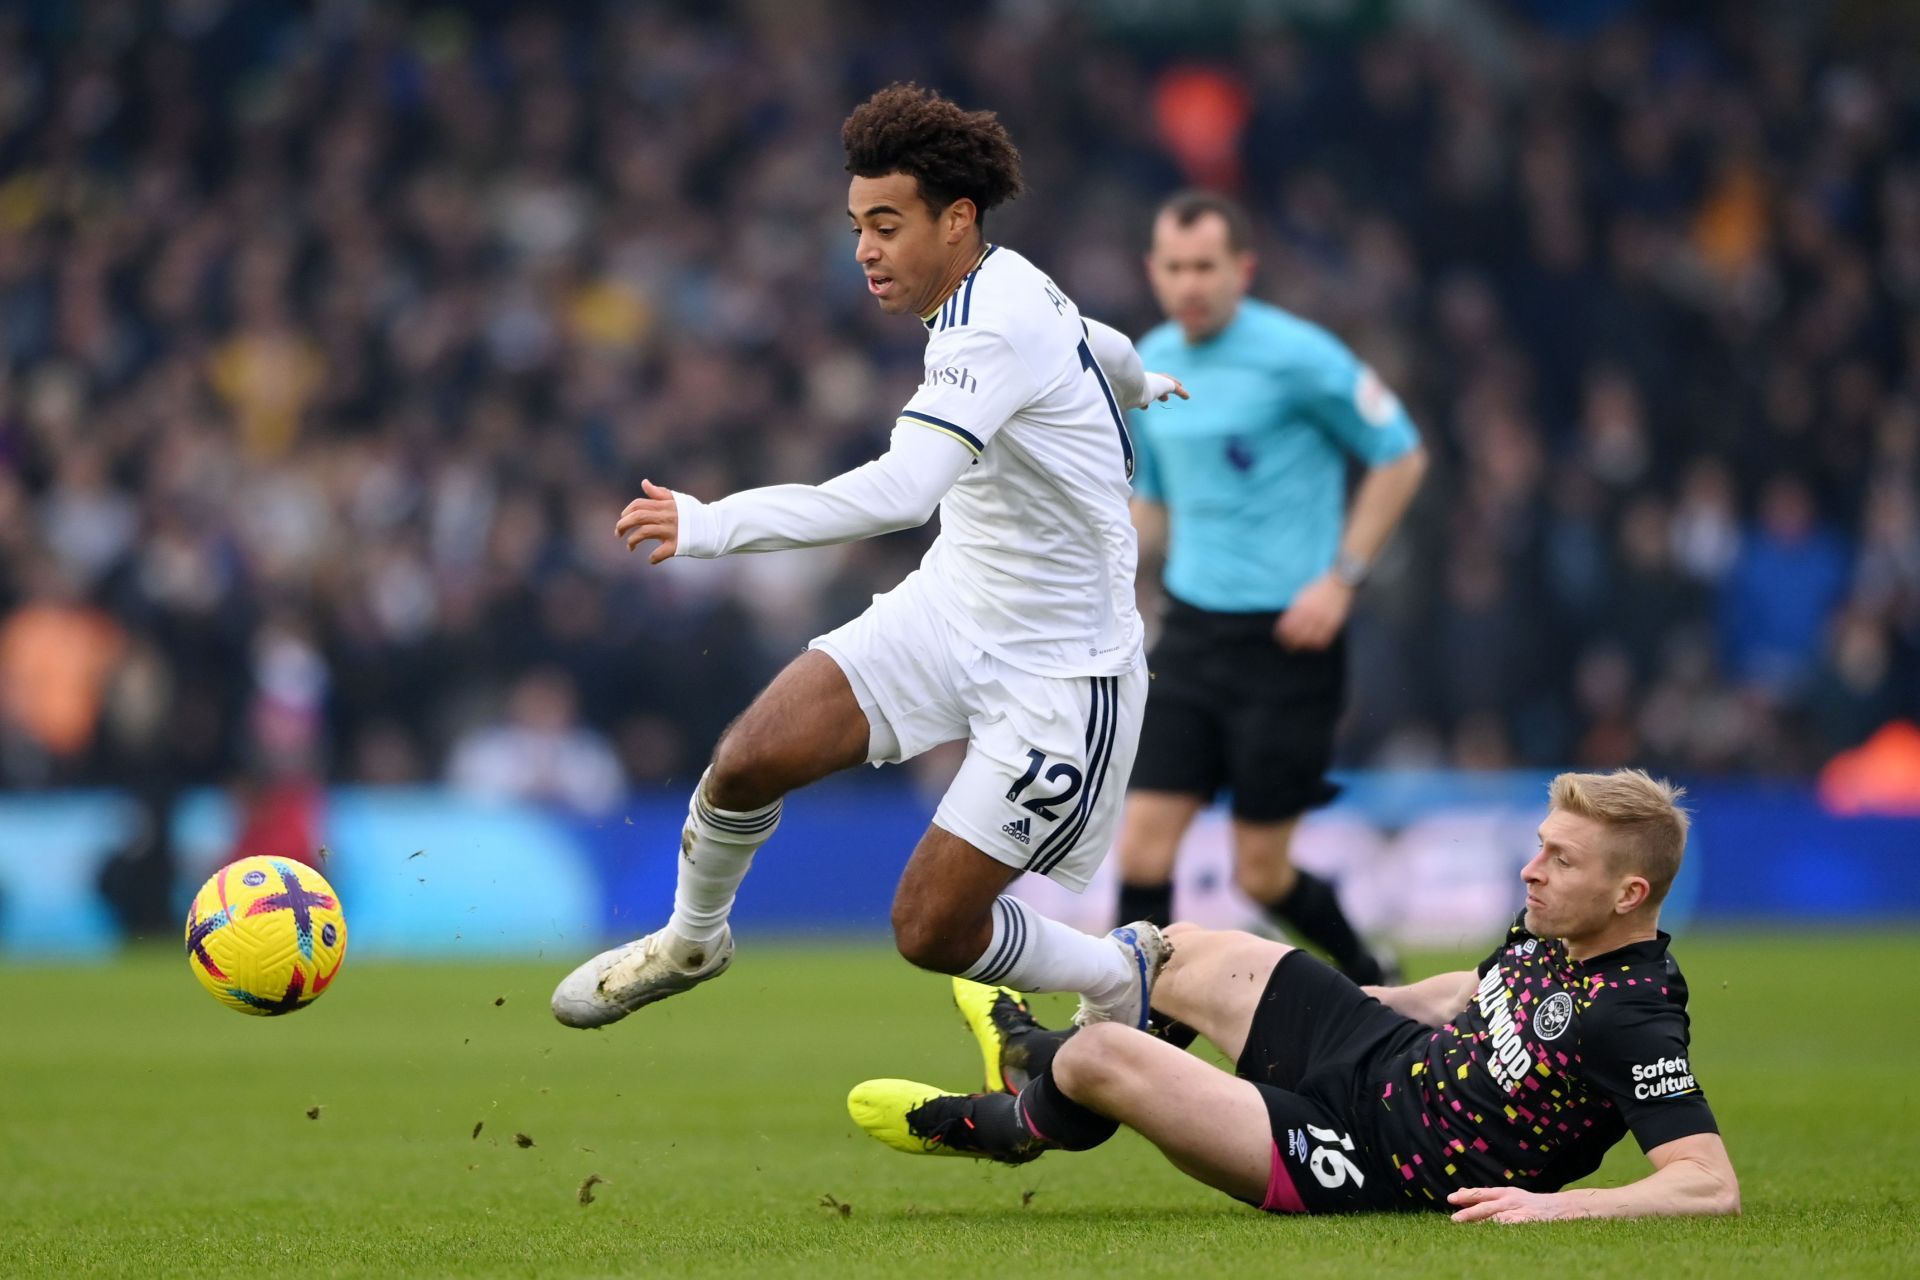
(1327, 1154)
(1329, 1160)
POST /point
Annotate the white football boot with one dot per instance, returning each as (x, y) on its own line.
(614, 983)
(1147, 951)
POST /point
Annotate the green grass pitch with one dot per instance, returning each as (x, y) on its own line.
(145, 1131)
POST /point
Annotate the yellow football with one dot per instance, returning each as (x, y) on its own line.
(266, 935)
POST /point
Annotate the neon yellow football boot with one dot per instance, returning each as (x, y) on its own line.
(924, 1121)
(999, 1019)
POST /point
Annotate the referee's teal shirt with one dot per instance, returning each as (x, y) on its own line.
(1253, 469)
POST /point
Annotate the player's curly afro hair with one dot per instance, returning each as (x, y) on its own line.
(950, 152)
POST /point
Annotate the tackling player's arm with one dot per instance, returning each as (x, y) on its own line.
(1691, 1176)
(1440, 999)
(1434, 1001)
(1636, 1052)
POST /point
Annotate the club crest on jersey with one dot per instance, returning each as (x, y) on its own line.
(1554, 1016)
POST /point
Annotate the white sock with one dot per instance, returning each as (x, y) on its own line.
(716, 848)
(1029, 952)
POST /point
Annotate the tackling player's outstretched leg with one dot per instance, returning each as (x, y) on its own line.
(1013, 1046)
(1483, 1092)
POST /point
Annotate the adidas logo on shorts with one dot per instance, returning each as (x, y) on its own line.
(1020, 829)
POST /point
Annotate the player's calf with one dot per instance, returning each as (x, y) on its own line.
(944, 909)
(1104, 1076)
(942, 941)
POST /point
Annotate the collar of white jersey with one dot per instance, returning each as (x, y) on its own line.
(934, 314)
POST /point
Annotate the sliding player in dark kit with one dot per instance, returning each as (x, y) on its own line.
(1485, 1092)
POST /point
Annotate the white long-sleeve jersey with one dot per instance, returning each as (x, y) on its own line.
(1017, 435)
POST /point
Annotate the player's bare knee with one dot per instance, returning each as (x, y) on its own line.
(741, 776)
(1097, 1060)
(932, 941)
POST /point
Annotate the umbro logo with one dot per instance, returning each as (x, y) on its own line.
(1020, 829)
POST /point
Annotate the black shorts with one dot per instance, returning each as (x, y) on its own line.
(1313, 1045)
(1229, 708)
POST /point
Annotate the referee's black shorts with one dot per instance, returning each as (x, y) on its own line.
(1229, 708)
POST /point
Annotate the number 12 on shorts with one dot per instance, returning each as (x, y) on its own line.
(1036, 761)
(1329, 1163)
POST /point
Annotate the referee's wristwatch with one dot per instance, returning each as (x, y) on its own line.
(1349, 570)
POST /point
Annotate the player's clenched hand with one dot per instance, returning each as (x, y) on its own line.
(1505, 1204)
(654, 517)
(1316, 614)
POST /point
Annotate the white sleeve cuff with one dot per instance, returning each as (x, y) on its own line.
(698, 535)
(898, 490)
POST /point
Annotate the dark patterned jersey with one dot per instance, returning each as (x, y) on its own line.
(1551, 1063)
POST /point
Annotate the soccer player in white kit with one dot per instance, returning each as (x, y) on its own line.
(1018, 632)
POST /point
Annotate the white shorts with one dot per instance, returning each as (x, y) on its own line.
(1047, 757)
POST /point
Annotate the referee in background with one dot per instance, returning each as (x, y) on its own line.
(1245, 487)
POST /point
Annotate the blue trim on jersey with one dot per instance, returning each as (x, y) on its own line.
(958, 308)
(967, 437)
(1092, 366)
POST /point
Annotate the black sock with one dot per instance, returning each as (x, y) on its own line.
(1057, 1120)
(997, 1125)
(1150, 902)
(1032, 1051)
(1172, 1030)
(1311, 908)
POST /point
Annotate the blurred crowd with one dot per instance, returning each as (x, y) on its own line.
(334, 336)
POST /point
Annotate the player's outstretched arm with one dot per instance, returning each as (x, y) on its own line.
(1434, 1001)
(1691, 1176)
(1133, 386)
(898, 490)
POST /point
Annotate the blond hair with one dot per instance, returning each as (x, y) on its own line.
(1644, 814)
